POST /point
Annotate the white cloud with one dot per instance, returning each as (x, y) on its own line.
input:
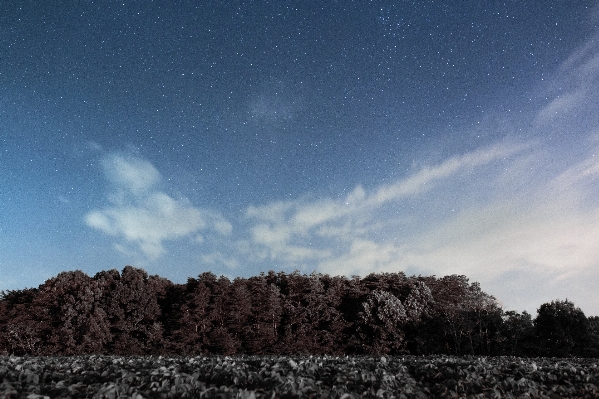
(423, 179)
(141, 214)
(265, 234)
(573, 89)
(364, 257)
(217, 258)
(131, 173)
(199, 239)
(223, 227)
(558, 106)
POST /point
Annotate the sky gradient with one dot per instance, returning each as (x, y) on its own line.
(338, 137)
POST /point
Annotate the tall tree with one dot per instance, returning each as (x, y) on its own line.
(266, 316)
(419, 304)
(4, 351)
(78, 322)
(133, 310)
(171, 314)
(311, 322)
(518, 329)
(562, 329)
(24, 327)
(380, 323)
(239, 314)
(221, 339)
(593, 337)
(353, 296)
(195, 322)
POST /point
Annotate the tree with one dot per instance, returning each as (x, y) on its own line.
(266, 316)
(352, 297)
(221, 339)
(239, 314)
(593, 345)
(562, 329)
(483, 313)
(419, 302)
(460, 319)
(195, 323)
(78, 324)
(380, 320)
(22, 326)
(131, 305)
(3, 320)
(518, 329)
(311, 322)
(171, 313)
(396, 283)
(332, 324)
(419, 305)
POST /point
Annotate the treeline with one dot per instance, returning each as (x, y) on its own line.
(131, 313)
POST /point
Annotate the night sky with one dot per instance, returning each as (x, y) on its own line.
(342, 137)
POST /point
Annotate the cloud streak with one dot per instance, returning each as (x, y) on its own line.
(295, 231)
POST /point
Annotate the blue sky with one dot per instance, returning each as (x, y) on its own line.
(344, 138)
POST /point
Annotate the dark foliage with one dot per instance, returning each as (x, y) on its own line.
(562, 329)
(260, 377)
(131, 313)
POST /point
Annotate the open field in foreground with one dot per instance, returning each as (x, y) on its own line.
(297, 377)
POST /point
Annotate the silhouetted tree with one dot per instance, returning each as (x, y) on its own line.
(562, 329)
(353, 296)
(171, 313)
(592, 349)
(518, 330)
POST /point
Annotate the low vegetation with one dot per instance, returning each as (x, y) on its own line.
(139, 377)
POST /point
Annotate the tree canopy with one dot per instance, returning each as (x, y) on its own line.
(129, 312)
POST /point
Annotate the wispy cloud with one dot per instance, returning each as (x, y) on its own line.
(218, 258)
(273, 103)
(572, 91)
(141, 214)
(423, 179)
(299, 231)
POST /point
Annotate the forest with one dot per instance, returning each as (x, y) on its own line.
(131, 313)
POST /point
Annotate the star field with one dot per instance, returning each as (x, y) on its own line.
(344, 137)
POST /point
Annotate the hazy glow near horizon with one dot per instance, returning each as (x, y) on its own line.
(426, 138)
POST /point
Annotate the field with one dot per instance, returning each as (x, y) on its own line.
(296, 377)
